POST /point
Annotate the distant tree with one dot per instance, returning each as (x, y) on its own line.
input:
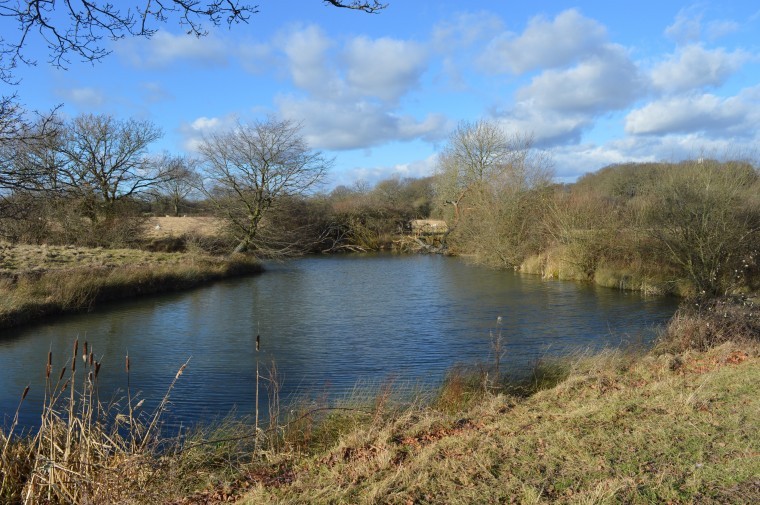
(21, 135)
(496, 184)
(104, 161)
(180, 179)
(474, 157)
(255, 170)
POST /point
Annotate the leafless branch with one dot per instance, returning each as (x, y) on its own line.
(370, 7)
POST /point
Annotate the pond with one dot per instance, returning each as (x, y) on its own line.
(328, 323)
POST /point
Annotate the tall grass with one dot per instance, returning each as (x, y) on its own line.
(84, 450)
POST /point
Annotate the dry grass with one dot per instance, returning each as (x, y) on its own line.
(18, 260)
(84, 451)
(43, 280)
(559, 263)
(163, 227)
(702, 324)
(616, 431)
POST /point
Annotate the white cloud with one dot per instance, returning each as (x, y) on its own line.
(694, 67)
(153, 92)
(687, 27)
(373, 175)
(257, 58)
(356, 124)
(194, 131)
(572, 161)
(384, 68)
(348, 96)
(464, 30)
(547, 128)
(697, 113)
(165, 48)
(545, 44)
(85, 97)
(721, 28)
(604, 82)
(307, 53)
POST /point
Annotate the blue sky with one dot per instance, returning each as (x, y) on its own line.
(594, 82)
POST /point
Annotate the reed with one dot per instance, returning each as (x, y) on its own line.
(80, 441)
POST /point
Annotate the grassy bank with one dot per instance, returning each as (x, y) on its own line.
(564, 263)
(614, 431)
(678, 424)
(37, 281)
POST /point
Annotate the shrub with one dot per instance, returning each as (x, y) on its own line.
(706, 323)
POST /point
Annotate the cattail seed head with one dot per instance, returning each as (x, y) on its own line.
(76, 347)
(97, 369)
(179, 372)
(63, 371)
(49, 367)
(26, 391)
(127, 363)
(258, 342)
(84, 353)
(92, 358)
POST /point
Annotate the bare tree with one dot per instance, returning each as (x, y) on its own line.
(475, 158)
(78, 27)
(371, 7)
(20, 134)
(255, 169)
(495, 183)
(180, 180)
(105, 160)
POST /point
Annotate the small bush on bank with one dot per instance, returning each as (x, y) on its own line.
(701, 324)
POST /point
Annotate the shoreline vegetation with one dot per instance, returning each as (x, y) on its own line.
(43, 281)
(677, 424)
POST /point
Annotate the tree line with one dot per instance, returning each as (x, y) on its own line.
(92, 181)
(690, 227)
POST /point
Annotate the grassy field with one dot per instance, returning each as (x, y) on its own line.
(36, 281)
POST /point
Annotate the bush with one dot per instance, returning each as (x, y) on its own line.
(706, 323)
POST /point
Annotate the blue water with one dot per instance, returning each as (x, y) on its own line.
(328, 323)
